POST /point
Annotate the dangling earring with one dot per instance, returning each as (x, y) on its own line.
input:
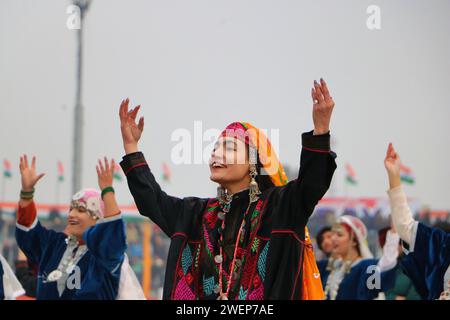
(254, 191)
(254, 188)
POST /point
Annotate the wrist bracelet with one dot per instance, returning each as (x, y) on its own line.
(26, 195)
(106, 190)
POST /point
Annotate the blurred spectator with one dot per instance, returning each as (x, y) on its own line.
(160, 244)
(26, 273)
(134, 252)
(325, 241)
(443, 225)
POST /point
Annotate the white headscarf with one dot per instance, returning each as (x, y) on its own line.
(91, 201)
(11, 286)
(360, 231)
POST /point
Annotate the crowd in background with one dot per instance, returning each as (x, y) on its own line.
(323, 217)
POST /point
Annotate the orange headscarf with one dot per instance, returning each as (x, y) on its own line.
(312, 285)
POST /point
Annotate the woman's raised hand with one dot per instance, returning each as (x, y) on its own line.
(28, 173)
(131, 131)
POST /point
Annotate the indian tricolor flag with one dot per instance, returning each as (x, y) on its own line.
(7, 173)
(117, 175)
(60, 168)
(166, 174)
(406, 174)
(350, 176)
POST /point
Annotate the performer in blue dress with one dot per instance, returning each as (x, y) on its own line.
(428, 249)
(355, 275)
(10, 287)
(87, 260)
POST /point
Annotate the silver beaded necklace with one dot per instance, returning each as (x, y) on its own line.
(67, 263)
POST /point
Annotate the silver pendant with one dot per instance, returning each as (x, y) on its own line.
(218, 259)
(55, 275)
(70, 269)
(216, 289)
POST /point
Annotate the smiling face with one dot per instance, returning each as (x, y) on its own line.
(78, 222)
(229, 164)
(344, 243)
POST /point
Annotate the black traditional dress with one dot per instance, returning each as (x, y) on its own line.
(270, 253)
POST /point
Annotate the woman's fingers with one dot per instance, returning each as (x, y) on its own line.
(100, 164)
(33, 163)
(25, 160)
(105, 167)
(388, 151)
(391, 154)
(141, 124)
(391, 151)
(113, 165)
(394, 153)
(313, 96)
(325, 91)
(318, 90)
(106, 164)
(135, 111)
(122, 111)
(129, 116)
(40, 176)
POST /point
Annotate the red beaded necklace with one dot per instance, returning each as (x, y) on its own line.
(219, 258)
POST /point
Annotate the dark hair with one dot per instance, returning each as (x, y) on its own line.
(319, 236)
(263, 179)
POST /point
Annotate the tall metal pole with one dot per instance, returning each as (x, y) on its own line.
(77, 170)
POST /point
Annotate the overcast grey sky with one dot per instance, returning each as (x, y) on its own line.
(218, 61)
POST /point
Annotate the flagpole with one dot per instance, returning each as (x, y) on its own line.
(77, 171)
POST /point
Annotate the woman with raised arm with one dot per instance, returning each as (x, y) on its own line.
(250, 241)
(87, 260)
(427, 262)
(354, 274)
